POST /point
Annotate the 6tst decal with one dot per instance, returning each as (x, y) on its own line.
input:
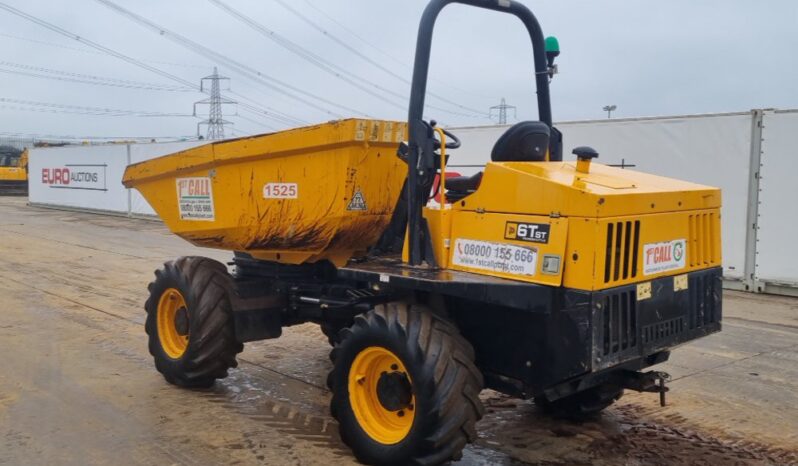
(532, 232)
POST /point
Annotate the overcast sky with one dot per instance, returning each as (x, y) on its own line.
(648, 58)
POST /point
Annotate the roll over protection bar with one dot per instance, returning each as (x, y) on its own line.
(421, 157)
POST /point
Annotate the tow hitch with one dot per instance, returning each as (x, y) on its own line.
(650, 382)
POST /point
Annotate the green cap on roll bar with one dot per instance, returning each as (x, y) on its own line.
(552, 51)
(552, 45)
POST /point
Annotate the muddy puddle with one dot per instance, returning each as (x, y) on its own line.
(513, 432)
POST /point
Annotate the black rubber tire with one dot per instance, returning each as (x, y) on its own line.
(582, 405)
(212, 347)
(446, 385)
(332, 330)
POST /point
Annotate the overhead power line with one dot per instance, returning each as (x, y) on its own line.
(240, 133)
(246, 70)
(255, 122)
(66, 47)
(98, 112)
(255, 109)
(348, 30)
(370, 87)
(94, 45)
(97, 83)
(369, 60)
(35, 71)
(32, 105)
(311, 57)
(370, 44)
(71, 137)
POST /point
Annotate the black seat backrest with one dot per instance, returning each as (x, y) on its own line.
(526, 141)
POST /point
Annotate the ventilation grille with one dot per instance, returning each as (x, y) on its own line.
(703, 308)
(623, 244)
(701, 250)
(655, 332)
(619, 322)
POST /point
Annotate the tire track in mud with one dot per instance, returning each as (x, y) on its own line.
(628, 434)
(283, 417)
(680, 443)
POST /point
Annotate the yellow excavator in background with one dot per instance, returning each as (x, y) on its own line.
(561, 281)
(13, 171)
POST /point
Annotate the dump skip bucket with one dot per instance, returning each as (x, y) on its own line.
(302, 195)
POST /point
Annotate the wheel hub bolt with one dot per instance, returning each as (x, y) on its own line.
(394, 391)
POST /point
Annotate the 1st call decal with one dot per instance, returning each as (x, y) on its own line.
(664, 257)
(195, 199)
(532, 232)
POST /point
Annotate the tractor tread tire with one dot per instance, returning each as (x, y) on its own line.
(212, 348)
(582, 405)
(332, 330)
(445, 379)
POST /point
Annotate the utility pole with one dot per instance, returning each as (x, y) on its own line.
(502, 111)
(609, 109)
(215, 121)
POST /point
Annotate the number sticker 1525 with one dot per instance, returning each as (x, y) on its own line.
(280, 191)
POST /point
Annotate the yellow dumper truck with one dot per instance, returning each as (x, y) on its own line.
(13, 172)
(556, 280)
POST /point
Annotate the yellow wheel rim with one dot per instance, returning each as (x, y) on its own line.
(389, 424)
(174, 340)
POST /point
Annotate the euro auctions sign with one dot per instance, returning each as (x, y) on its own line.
(662, 257)
(86, 177)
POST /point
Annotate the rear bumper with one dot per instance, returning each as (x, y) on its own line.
(531, 338)
(625, 327)
(13, 187)
(586, 338)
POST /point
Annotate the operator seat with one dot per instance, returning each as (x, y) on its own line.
(527, 141)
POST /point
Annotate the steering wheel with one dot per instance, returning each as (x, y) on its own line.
(452, 141)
